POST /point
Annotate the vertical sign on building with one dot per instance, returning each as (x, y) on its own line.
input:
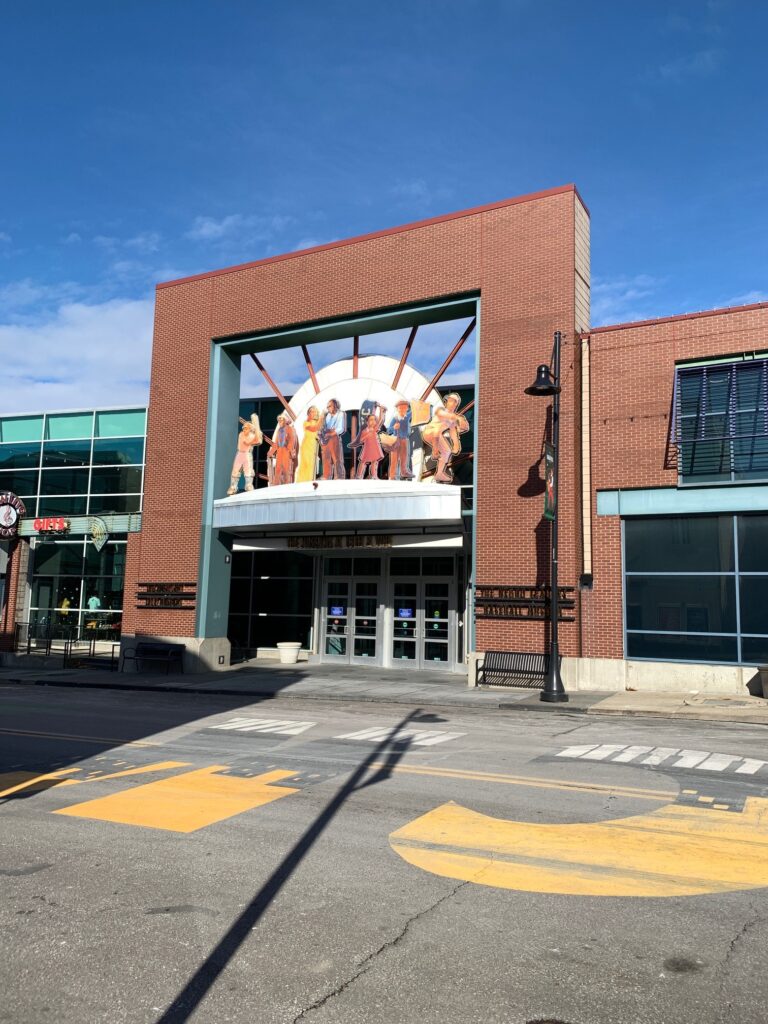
(549, 482)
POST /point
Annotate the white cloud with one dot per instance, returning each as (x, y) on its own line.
(247, 228)
(72, 238)
(690, 65)
(79, 356)
(747, 299)
(622, 299)
(5, 237)
(145, 241)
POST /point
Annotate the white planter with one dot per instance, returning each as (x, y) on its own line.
(289, 653)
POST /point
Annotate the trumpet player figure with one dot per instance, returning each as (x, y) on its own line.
(250, 435)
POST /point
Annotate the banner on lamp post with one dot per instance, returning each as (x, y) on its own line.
(550, 509)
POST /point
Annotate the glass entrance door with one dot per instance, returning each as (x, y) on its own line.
(422, 616)
(352, 621)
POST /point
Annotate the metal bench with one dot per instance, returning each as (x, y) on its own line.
(154, 652)
(512, 668)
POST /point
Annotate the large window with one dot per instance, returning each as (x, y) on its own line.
(721, 421)
(696, 588)
(270, 599)
(77, 589)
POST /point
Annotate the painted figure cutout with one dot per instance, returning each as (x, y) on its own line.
(399, 436)
(334, 428)
(442, 436)
(371, 452)
(309, 445)
(284, 451)
(249, 436)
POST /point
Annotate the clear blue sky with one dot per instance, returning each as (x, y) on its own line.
(147, 140)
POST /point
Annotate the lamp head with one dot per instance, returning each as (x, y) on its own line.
(544, 384)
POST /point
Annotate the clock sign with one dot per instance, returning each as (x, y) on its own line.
(11, 511)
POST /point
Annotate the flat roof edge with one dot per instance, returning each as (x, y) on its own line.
(472, 211)
(679, 316)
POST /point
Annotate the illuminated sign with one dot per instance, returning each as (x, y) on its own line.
(337, 609)
(51, 524)
(12, 510)
(405, 613)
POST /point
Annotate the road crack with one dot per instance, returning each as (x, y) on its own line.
(365, 965)
(731, 952)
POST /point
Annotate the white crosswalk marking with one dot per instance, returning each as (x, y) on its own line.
(281, 726)
(691, 758)
(700, 760)
(717, 762)
(750, 766)
(659, 754)
(578, 751)
(601, 752)
(418, 737)
(631, 753)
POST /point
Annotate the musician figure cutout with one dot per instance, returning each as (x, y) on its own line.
(249, 436)
(284, 449)
(442, 436)
(399, 442)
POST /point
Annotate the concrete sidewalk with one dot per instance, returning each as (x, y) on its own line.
(271, 681)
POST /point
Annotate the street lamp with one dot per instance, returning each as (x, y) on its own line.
(547, 384)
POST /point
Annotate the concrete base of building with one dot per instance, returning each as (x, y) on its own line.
(202, 654)
(613, 675)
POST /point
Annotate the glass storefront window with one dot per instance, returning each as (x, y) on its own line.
(65, 506)
(696, 588)
(58, 558)
(116, 480)
(690, 604)
(679, 544)
(66, 453)
(124, 451)
(64, 481)
(20, 456)
(118, 504)
(110, 561)
(20, 481)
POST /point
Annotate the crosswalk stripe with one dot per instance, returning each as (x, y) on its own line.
(691, 758)
(631, 753)
(278, 725)
(717, 762)
(659, 754)
(578, 751)
(418, 737)
(603, 751)
(701, 760)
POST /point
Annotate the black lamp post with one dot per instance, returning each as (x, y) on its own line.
(548, 383)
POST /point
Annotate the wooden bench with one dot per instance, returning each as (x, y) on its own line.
(512, 668)
(154, 652)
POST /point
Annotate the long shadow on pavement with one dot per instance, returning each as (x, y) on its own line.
(202, 981)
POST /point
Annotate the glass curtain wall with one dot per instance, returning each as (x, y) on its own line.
(76, 464)
(696, 588)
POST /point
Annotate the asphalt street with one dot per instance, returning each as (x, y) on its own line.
(168, 858)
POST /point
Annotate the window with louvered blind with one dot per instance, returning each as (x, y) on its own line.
(720, 418)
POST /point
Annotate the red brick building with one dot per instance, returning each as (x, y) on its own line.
(663, 453)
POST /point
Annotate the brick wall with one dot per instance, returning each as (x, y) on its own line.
(633, 370)
(519, 255)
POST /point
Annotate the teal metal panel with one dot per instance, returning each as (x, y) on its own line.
(215, 553)
(120, 423)
(68, 426)
(373, 323)
(667, 501)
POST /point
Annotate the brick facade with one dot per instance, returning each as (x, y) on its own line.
(519, 256)
(633, 369)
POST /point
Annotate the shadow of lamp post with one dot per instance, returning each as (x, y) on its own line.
(547, 384)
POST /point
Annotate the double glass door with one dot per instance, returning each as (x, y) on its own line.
(421, 635)
(352, 621)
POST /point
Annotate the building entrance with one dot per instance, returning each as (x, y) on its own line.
(398, 619)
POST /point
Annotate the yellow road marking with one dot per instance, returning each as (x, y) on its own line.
(186, 802)
(675, 850)
(14, 782)
(82, 739)
(533, 782)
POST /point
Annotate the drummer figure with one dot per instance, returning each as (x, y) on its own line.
(400, 451)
